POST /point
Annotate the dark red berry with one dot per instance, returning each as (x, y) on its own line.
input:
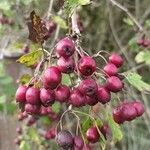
(32, 109)
(21, 94)
(51, 26)
(114, 84)
(105, 130)
(139, 108)
(91, 100)
(52, 77)
(78, 143)
(62, 93)
(88, 87)
(87, 65)
(44, 111)
(128, 112)
(92, 135)
(103, 95)
(47, 97)
(65, 48)
(146, 42)
(110, 69)
(77, 98)
(117, 115)
(25, 48)
(31, 121)
(64, 139)
(33, 95)
(116, 60)
(66, 65)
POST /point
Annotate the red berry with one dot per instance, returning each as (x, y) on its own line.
(19, 130)
(44, 111)
(139, 108)
(47, 97)
(114, 84)
(87, 147)
(31, 121)
(78, 143)
(88, 87)
(62, 93)
(117, 116)
(77, 98)
(128, 112)
(66, 65)
(25, 48)
(87, 65)
(140, 41)
(33, 96)
(32, 109)
(92, 135)
(51, 26)
(105, 130)
(65, 48)
(146, 42)
(21, 94)
(110, 69)
(64, 139)
(52, 78)
(91, 100)
(116, 60)
(103, 95)
(17, 141)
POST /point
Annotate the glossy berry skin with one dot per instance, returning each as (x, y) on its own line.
(103, 95)
(66, 65)
(52, 77)
(110, 69)
(114, 84)
(21, 94)
(88, 87)
(87, 65)
(65, 48)
(116, 60)
(33, 96)
(117, 116)
(92, 135)
(91, 100)
(139, 108)
(78, 143)
(128, 112)
(32, 109)
(87, 147)
(62, 93)
(77, 98)
(64, 139)
(47, 97)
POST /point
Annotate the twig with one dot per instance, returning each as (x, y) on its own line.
(50, 8)
(129, 14)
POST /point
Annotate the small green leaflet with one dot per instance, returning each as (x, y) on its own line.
(87, 123)
(128, 21)
(25, 79)
(143, 57)
(66, 80)
(136, 80)
(115, 129)
(61, 22)
(33, 134)
(70, 5)
(30, 58)
(56, 107)
(24, 146)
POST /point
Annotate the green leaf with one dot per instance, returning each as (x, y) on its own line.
(66, 80)
(5, 5)
(136, 80)
(24, 146)
(25, 78)
(115, 129)
(56, 107)
(45, 120)
(59, 21)
(86, 124)
(30, 58)
(133, 45)
(143, 56)
(11, 108)
(70, 5)
(33, 134)
(128, 21)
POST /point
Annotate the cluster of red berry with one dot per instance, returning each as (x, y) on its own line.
(144, 42)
